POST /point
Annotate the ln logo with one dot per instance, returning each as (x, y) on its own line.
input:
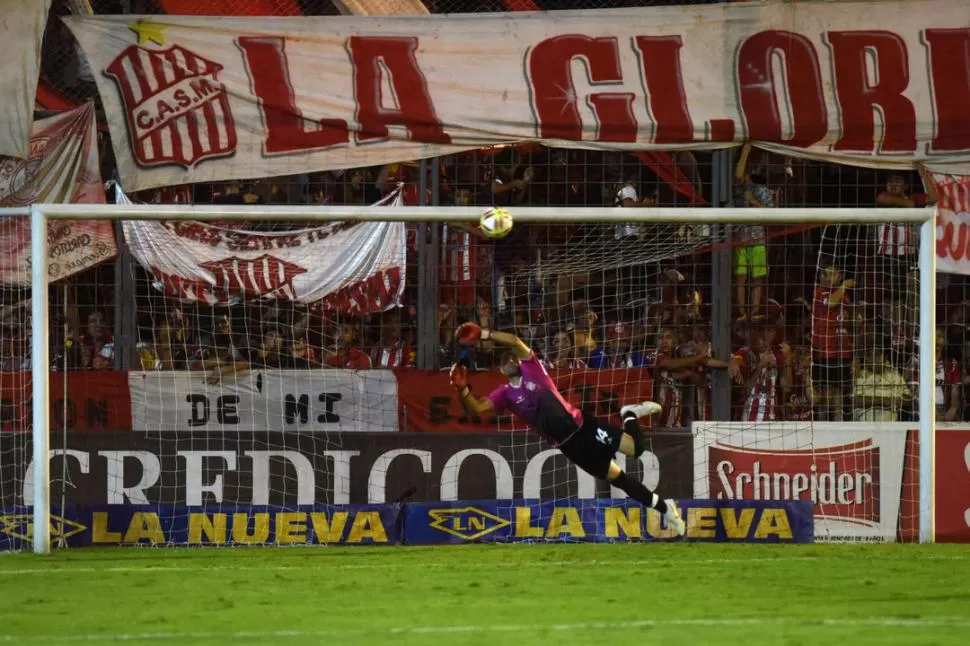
(21, 526)
(602, 437)
(468, 523)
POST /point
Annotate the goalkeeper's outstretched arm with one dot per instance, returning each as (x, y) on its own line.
(515, 345)
(470, 333)
(459, 381)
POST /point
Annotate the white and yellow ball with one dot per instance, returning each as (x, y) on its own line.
(496, 222)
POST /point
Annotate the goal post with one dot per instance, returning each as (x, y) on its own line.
(41, 215)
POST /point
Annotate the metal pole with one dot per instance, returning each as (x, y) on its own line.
(927, 377)
(721, 293)
(425, 343)
(40, 324)
(430, 302)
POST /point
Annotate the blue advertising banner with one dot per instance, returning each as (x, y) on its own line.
(76, 526)
(591, 520)
(603, 520)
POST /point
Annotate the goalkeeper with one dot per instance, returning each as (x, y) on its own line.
(534, 398)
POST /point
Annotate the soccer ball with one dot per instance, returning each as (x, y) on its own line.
(496, 222)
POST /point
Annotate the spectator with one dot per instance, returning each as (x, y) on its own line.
(949, 378)
(751, 257)
(171, 341)
(235, 193)
(345, 353)
(271, 353)
(896, 196)
(394, 351)
(617, 353)
(217, 348)
(879, 392)
(699, 345)
(765, 367)
(97, 347)
(831, 343)
(799, 404)
(896, 244)
(510, 178)
(564, 354)
(669, 373)
(304, 354)
(627, 197)
(668, 311)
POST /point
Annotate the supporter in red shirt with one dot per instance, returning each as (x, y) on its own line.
(831, 343)
(345, 353)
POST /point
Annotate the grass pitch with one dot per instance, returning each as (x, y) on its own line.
(491, 594)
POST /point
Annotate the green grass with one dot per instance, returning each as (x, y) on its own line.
(491, 594)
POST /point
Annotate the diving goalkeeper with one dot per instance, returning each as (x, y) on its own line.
(587, 442)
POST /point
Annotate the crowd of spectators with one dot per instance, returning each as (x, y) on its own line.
(825, 319)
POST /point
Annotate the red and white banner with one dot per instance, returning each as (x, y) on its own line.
(63, 167)
(355, 268)
(952, 474)
(194, 99)
(22, 33)
(953, 224)
(854, 473)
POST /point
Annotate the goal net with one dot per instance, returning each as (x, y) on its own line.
(285, 370)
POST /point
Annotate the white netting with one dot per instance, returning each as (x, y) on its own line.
(15, 384)
(246, 400)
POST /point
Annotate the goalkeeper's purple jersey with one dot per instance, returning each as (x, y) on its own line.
(537, 402)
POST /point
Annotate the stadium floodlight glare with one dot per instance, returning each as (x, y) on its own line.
(41, 214)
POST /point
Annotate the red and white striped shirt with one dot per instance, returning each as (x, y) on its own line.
(667, 392)
(762, 403)
(459, 266)
(396, 355)
(899, 239)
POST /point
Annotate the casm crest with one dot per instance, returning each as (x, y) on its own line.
(177, 110)
(468, 523)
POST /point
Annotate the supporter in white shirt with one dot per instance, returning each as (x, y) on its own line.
(626, 197)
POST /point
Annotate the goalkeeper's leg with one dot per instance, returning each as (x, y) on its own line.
(639, 492)
(593, 447)
(632, 442)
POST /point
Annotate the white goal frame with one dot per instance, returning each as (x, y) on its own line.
(41, 213)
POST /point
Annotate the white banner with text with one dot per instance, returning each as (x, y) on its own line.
(22, 34)
(257, 401)
(861, 477)
(354, 268)
(196, 99)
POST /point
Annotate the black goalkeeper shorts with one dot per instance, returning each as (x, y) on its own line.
(593, 447)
